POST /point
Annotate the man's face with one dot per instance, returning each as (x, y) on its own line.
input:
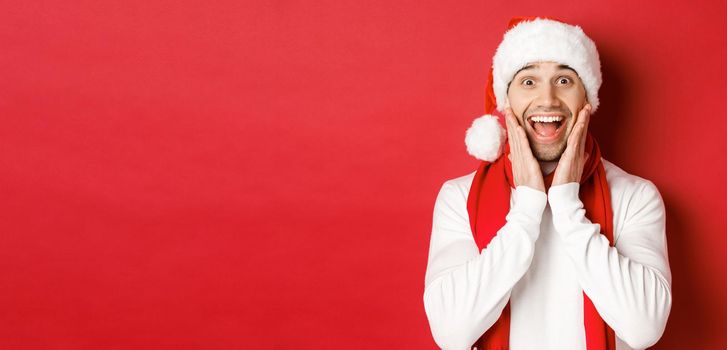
(546, 91)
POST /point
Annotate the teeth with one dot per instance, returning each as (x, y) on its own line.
(546, 119)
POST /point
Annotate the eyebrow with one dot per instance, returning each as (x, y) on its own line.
(532, 66)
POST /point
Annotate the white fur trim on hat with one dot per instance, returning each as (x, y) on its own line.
(485, 138)
(546, 40)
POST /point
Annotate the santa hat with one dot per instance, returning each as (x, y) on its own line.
(530, 39)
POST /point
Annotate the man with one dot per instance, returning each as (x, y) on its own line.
(547, 245)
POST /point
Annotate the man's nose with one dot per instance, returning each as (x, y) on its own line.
(548, 97)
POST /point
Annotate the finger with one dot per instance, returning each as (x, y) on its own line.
(574, 137)
(508, 119)
(584, 133)
(584, 115)
(579, 129)
(581, 141)
(510, 129)
(590, 111)
(512, 140)
(508, 125)
(573, 142)
(521, 140)
(515, 136)
(579, 116)
(519, 127)
(524, 144)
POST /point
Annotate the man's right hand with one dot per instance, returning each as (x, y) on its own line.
(525, 168)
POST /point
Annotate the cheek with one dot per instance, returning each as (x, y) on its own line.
(518, 105)
(576, 99)
(574, 103)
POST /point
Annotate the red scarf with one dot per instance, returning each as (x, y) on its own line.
(488, 204)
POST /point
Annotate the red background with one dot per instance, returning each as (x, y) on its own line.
(195, 174)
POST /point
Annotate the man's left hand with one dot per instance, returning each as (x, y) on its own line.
(570, 166)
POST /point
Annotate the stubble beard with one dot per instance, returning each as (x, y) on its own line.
(548, 153)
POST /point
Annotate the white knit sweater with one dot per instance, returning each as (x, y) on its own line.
(542, 260)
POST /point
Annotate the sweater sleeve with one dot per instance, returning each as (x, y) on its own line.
(465, 289)
(629, 284)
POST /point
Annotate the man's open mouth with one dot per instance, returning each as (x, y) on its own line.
(547, 126)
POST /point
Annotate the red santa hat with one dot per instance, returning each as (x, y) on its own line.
(530, 39)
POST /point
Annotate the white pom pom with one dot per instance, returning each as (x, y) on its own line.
(485, 138)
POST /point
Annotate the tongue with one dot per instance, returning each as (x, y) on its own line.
(545, 129)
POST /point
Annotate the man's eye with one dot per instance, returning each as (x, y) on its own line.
(528, 82)
(564, 80)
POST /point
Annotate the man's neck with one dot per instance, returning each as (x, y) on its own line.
(548, 167)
